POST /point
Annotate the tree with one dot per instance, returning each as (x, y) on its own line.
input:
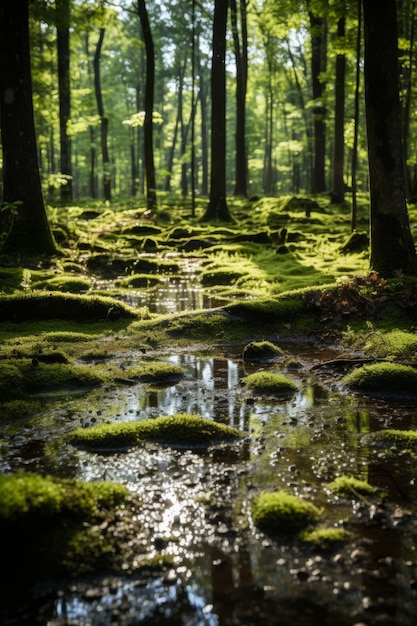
(149, 98)
(62, 8)
(392, 247)
(338, 192)
(30, 232)
(103, 119)
(241, 56)
(217, 208)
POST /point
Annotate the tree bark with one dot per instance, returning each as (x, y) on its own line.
(62, 8)
(318, 28)
(338, 193)
(241, 57)
(149, 97)
(392, 248)
(30, 232)
(104, 121)
(217, 208)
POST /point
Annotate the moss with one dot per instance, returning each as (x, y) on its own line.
(400, 438)
(18, 409)
(326, 538)
(177, 430)
(261, 352)
(64, 283)
(139, 281)
(29, 496)
(54, 524)
(280, 511)
(156, 372)
(348, 485)
(24, 376)
(383, 377)
(58, 306)
(269, 383)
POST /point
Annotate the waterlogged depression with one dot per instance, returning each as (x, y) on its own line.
(192, 509)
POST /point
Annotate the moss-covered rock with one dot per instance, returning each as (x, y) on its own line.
(383, 378)
(261, 352)
(348, 486)
(326, 538)
(403, 439)
(156, 373)
(268, 383)
(281, 512)
(177, 430)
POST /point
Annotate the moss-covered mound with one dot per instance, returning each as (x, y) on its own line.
(24, 376)
(261, 352)
(268, 383)
(404, 439)
(326, 538)
(176, 430)
(383, 378)
(348, 485)
(45, 306)
(281, 512)
(157, 373)
(52, 523)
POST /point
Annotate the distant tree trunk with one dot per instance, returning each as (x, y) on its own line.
(241, 56)
(62, 8)
(149, 96)
(392, 247)
(356, 118)
(318, 26)
(217, 208)
(104, 121)
(338, 193)
(203, 88)
(30, 232)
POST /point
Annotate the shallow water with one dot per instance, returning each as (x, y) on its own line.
(194, 508)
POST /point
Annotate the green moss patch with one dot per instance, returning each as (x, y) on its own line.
(326, 538)
(64, 283)
(405, 439)
(24, 376)
(18, 409)
(156, 373)
(67, 307)
(176, 430)
(383, 378)
(281, 512)
(268, 383)
(261, 352)
(53, 524)
(348, 486)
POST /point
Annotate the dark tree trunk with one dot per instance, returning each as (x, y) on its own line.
(204, 134)
(318, 27)
(392, 248)
(241, 56)
(63, 49)
(217, 208)
(356, 118)
(104, 121)
(338, 193)
(149, 96)
(29, 232)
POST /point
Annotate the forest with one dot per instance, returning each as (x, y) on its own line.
(208, 311)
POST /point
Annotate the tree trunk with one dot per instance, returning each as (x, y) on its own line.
(338, 193)
(217, 208)
(392, 248)
(149, 96)
(104, 121)
(241, 57)
(29, 232)
(318, 28)
(63, 48)
(356, 119)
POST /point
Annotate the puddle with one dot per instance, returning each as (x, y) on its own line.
(194, 508)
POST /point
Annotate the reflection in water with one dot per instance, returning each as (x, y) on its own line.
(196, 508)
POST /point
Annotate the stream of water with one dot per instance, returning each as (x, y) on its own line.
(195, 509)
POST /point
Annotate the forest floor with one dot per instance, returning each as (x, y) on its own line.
(131, 290)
